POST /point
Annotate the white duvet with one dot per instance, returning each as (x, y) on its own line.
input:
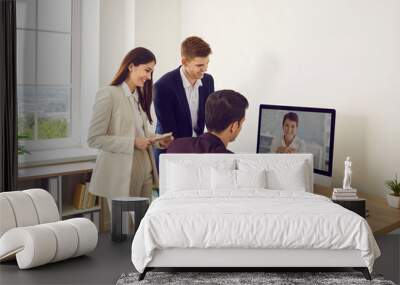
(253, 218)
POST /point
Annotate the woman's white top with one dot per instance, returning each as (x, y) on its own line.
(298, 144)
(140, 116)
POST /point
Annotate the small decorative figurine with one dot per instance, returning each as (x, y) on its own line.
(347, 174)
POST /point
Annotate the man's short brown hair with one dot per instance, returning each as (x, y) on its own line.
(223, 108)
(193, 47)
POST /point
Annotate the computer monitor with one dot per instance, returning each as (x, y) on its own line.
(289, 129)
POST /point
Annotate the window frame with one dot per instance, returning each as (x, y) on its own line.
(74, 139)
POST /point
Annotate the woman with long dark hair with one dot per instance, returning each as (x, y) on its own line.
(119, 129)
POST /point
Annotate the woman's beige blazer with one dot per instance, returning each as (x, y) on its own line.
(112, 132)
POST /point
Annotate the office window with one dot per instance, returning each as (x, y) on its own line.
(48, 65)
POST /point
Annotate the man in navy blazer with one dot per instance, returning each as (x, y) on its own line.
(180, 95)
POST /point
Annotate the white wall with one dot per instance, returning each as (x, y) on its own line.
(117, 35)
(158, 28)
(336, 54)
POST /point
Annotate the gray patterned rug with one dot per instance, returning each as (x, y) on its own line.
(230, 278)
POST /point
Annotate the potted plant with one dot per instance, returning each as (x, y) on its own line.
(393, 199)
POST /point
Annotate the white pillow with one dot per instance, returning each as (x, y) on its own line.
(193, 175)
(251, 178)
(281, 174)
(183, 178)
(227, 179)
(293, 179)
(223, 179)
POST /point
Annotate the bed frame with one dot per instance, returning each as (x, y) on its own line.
(242, 259)
(245, 259)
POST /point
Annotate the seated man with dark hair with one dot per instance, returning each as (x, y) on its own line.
(224, 116)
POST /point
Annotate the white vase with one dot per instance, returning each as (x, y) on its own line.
(393, 201)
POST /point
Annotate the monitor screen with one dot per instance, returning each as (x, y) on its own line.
(288, 129)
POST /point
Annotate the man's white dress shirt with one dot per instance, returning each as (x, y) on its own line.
(192, 96)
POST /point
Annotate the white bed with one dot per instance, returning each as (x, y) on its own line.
(224, 218)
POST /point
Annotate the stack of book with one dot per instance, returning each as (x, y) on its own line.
(82, 198)
(344, 194)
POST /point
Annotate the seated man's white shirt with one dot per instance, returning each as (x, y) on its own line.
(192, 96)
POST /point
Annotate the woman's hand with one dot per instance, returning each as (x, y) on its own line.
(166, 142)
(285, 149)
(281, 149)
(143, 143)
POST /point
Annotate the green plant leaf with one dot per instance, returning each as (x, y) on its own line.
(393, 185)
